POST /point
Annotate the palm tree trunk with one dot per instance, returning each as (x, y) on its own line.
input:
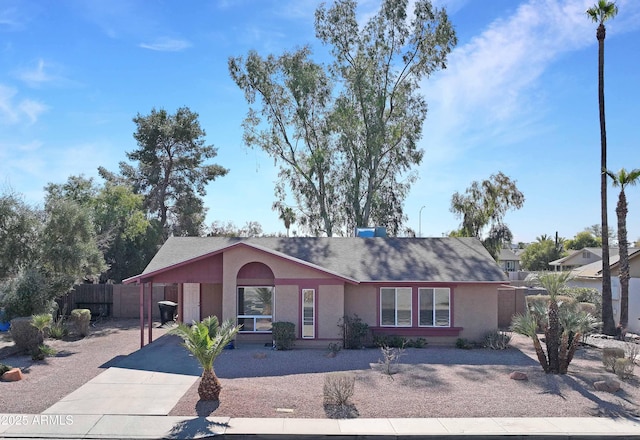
(609, 326)
(575, 342)
(563, 354)
(552, 335)
(542, 358)
(209, 388)
(621, 211)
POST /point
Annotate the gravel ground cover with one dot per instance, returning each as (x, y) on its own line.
(76, 362)
(429, 382)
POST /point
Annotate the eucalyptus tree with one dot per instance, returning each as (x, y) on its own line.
(484, 205)
(623, 179)
(345, 135)
(601, 12)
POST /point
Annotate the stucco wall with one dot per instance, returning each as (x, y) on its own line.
(287, 304)
(476, 310)
(362, 300)
(330, 308)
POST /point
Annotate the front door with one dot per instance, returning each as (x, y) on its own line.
(190, 302)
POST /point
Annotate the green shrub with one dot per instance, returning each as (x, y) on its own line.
(25, 335)
(334, 348)
(81, 318)
(392, 341)
(30, 293)
(463, 343)
(284, 335)
(354, 331)
(42, 351)
(417, 343)
(4, 368)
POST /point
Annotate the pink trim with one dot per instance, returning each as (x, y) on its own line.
(417, 331)
(150, 275)
(150, 312)
(141, 289)
(308, 282)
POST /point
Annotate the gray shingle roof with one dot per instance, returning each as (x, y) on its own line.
(444, 259)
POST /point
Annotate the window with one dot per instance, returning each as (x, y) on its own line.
(586, 255)
(255, 306)
(308, 313)
(395, 307)
(435, 310)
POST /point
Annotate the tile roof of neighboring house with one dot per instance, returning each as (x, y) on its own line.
(445, 259)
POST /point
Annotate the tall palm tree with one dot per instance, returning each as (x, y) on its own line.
(206, 340)
(602, 11)
(622, 179)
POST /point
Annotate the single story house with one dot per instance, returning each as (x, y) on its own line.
(590, 275)
(436, 288)
(509, 260)
(579, 258)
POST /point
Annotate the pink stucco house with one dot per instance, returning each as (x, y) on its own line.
(436, 288)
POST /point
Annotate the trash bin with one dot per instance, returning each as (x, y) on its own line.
(168, 310)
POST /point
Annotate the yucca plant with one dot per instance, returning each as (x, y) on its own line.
(206, 340)
(563, 325)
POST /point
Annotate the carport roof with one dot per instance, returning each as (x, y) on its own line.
(378, 259)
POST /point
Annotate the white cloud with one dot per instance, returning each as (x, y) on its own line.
(36, 76)
(15, 111)
(165, 44)
(491, 88)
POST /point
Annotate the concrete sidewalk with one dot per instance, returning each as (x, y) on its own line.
(143, 427)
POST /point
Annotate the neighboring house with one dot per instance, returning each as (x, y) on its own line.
(508, 260)
(579, 258)
(436, 288)
(590, 275)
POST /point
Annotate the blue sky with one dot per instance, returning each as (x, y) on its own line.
(519, 96)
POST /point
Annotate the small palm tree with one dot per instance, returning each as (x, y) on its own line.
(602, 11)
(563, 325)
(206, 340)
(622, 179)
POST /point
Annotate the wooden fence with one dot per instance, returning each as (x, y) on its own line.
(115, 300)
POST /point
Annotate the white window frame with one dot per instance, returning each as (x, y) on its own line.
(255, 317)
(312, 323)
(433, 312)
(395, 306)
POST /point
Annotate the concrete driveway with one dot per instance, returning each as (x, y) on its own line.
(149, 381)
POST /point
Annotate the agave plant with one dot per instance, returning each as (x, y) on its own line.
(563, 325)
(206, 340)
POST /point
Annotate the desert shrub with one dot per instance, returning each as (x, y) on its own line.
(58, 328)
(4, 368)
(417, 343)
(390, 341)
(334, 348)
(463, 343)
(41, 352)
(497, 340)
(81, 318)
(610, 355)
(354, 331)
(390, 357)
(623, 367)
(338, 388)
(587, 295)
(25, 335)
(284, 335)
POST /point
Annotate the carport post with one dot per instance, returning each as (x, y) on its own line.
(150, 312)
(141, 314)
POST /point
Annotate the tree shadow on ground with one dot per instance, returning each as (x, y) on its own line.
(199, 427)
(345, 411)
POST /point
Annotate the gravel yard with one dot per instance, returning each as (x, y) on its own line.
(258, 382)
(429, 382)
